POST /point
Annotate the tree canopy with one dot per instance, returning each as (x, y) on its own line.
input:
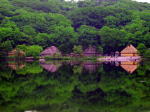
(111, 24)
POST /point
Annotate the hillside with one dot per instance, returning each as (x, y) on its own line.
(107, 24)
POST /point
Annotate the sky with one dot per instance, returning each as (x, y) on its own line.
(143, 1)
(133, 0)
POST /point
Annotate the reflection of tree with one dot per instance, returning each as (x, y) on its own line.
(91, 66)
(77, 69)
(109, 89)
(30, 68)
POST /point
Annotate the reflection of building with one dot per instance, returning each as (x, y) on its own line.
(16, 65)
(129, 66)
(91, 66)
(50, 66)
(130, 50)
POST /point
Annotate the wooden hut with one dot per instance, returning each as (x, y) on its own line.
(50, 51)
(130, 50)
(16, 53)
(90, 51)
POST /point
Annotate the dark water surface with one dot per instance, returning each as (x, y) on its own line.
(75, 87)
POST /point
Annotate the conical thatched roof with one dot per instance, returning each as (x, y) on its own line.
(130, 49)
(50, 51)
(90, 51)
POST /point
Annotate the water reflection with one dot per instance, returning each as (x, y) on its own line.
(128, 66)
(51, 67)
(16, 65)
(75, 87)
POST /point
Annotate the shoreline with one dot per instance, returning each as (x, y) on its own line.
(120, 58)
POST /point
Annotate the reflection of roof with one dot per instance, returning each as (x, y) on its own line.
(129, 66)
(50, 66)
(130, 49)
(50, 51)
(15, 66)
(91, 66)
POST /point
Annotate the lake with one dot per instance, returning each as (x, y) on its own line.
(74, 86)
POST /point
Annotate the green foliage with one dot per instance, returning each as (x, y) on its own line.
(114, 39)
(65, 24)
(7, 45)
(88, 36)
(33, 68)
(77, 49)
(147, 53)
(28, 30)
(142, 48)
(33, 50)
(111, 21)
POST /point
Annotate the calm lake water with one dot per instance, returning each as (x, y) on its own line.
(75, 87)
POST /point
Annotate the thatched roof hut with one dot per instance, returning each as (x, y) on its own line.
(50, 51)
(16, 52)
(90, 51)
(130, 50)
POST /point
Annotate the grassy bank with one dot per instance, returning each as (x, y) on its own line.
(72, 58)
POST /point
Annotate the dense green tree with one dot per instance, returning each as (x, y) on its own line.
(96, 16)
(33, 50)
(88, 36)
(111, 21)
(65, 24)
(6, 45)
(112, 39)
(10, 32)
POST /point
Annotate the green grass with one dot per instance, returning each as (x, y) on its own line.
(72, 58)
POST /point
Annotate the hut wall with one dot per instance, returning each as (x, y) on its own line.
(122, 54)
(126, 54)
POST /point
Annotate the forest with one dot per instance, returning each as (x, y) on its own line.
(109, 25)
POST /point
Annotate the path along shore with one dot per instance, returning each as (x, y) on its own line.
(120, 58)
